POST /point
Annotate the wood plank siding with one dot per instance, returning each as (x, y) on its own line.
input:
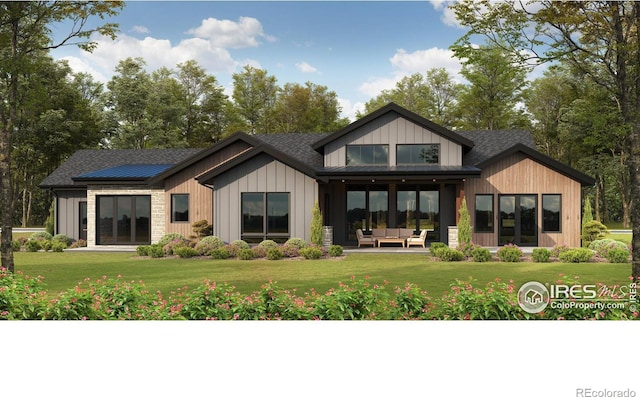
(68, 212)
(200, 197)
(519, 174)
(258, 175)
(391, 129)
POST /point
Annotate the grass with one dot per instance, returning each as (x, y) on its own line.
(62, 271)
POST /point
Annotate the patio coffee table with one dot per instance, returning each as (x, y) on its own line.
(392, 239)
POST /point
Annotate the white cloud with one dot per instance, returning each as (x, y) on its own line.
(229, 34)
(448, 16)
(306, 68)
(140, 29)
(81, 66)
(349, 110)
(406, 64)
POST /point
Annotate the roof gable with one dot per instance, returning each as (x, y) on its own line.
(547, 161)
(402, 112)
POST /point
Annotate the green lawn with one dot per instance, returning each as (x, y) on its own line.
(64, 270)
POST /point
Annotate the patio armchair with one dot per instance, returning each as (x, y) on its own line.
(418, 240)
(365, 240)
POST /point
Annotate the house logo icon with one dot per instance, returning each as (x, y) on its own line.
(533, 297)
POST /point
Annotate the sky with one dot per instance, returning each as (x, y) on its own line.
(355, 49)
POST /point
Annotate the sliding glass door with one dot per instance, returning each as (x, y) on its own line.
(123, 220)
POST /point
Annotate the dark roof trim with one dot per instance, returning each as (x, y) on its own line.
(392, 107)
(238, 136)
(394, 173)
(206, 178)
(584, 179)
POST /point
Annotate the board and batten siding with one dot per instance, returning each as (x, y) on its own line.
(519, 174)
(68, 212)
(391, 129)
(262, 174)
(184, 182)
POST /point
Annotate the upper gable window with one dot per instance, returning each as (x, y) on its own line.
(418, 154)
(367, 155)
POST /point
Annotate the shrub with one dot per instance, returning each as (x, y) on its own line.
(40, 236)
(16, 246)
(32, 245)
(240, 244)
(66, 240)
(156, 251)
(541, 255)
(603, 246)
(21, 297)
(558, 249)
(464, 224)
(202, 228)
(46, 245)
(481, 254)
(171, 237)
(143, 250)
(296, 243)
(58, 246)
(78, 244)
(170, 247)
(576, 255)
(259, 252)
(206, 246)
(434, 247)
(450, 255)
(592, 231)
(316, 224)
(245, 254)
(220, 253)
(510, 253)
(274, 254)
(467, 248)
(311, 253)
(289, 251)
(335, 250)
(185, 252)
(268, 244)
(618, 255)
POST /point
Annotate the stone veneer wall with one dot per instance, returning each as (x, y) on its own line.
(158, 208)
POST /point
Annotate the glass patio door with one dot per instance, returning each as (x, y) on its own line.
(518, 220)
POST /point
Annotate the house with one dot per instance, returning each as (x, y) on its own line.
(391, 168)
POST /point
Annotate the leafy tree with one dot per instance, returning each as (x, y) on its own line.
(433, 96)
(489, 101)
(25, 35)
(599, 38)
(308, 108)
(255, 94)
(205, 105)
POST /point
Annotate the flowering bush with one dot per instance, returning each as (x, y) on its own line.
(164, 240)
(467, 248)
(259, 252)
(173, 245)
(558, 249)
(603, 246)
(21, 297)
(268, 244)
(39, 236)
(206, 246)
(510, 253)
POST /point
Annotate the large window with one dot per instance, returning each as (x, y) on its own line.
(484, 213)
(367, 155)
(418, 154)
(179, 208)
(123, 219)
(265, 216)
(551, 212)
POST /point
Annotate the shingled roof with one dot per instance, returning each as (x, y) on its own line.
(296, 145)
(488, 144)
(87, 161)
